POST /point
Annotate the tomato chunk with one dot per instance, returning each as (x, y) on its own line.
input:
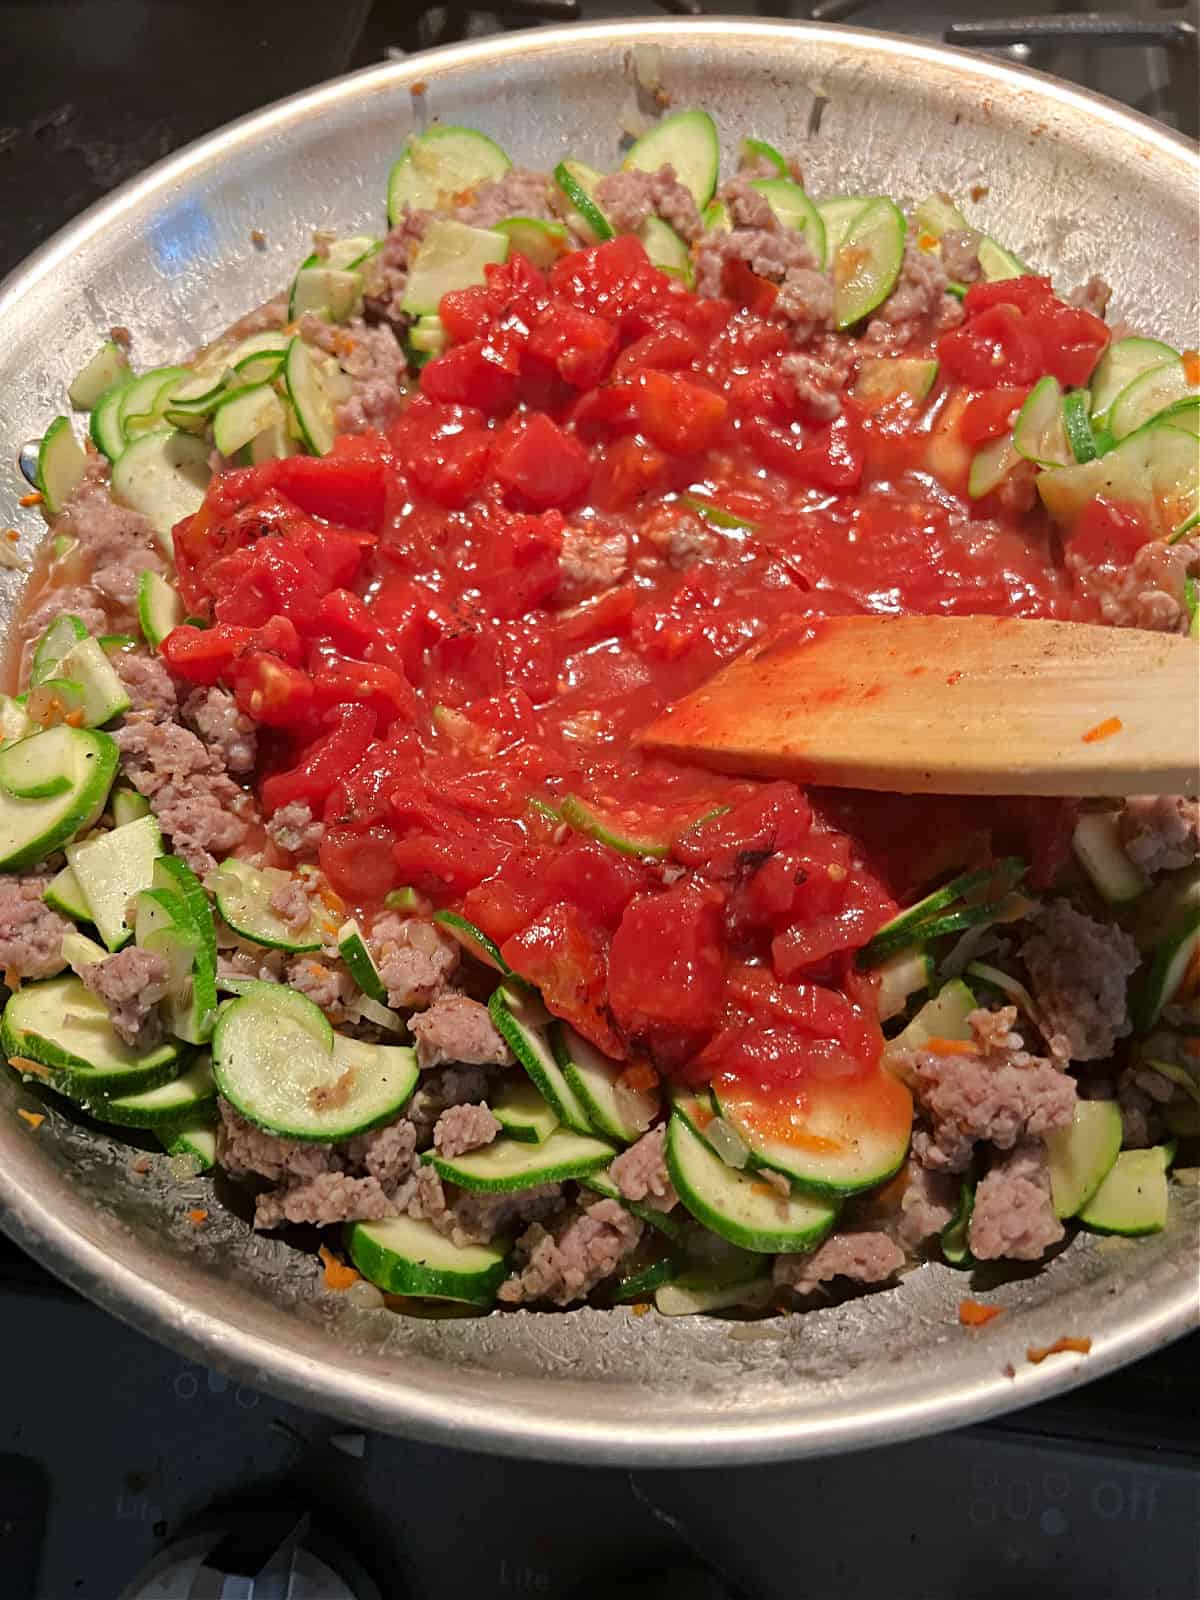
(666, 979)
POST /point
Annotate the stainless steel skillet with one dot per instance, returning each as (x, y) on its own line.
(1075, 184)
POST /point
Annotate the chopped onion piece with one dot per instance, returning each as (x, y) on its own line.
(728, 1144)
(371, 1011)
(647, 65)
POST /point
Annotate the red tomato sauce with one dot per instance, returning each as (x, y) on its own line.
(395, 615)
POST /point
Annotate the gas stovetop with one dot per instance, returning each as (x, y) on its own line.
(119, 1459)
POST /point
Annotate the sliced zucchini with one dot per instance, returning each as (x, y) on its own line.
(171, 872)
(539, 242)
(1120, 364)
(259, 357)
(610, 829)
(309, 398)
(39, 766)
(65, 1027)
(521, 1110)
(883, 378)
(473, 940)
(532, 1050)
(326, 291)
(1039, 433)
(508, 1165)
(63, 634)
(901, 976)
(835, 1136)
(439, 165)
(450, 256)
(1149, 394)
(990, 466)
(913, 924)
(108, 366)
(939, 215)
(1132, 1200)
(1097, 846)
(31, 830)
(640, 1283)
(197, 1139)
(715, 217)
(145, 399)
(404, 1256)
(1173, 954)
(271, 1063)
(60, 465)
(55, 701)
(996, 262)
(63, 894)
(427, 336)
(752, 150)
(578, 182)
(613, 1109)
(164, 926)
(954, 1236)
(715, 1288)
(686, 141)
(111, 869)
(244, 414)
(159, 607)
(188, 1096)
(867, 263)
(1077, 426)
(1155, 470)
(943, 1017)
(163, 474)
(14, 720)
(739, 1206)
(104, 695)
(243, 895)
(717, 515)
(1010, 990)
(666, 250)
(79, 951)
(352, 948)
(837, 216)
(104, 425)
(1082, 1155)
(127, 805)
(793, 209)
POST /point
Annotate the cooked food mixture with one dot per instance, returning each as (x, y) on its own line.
(332, 858)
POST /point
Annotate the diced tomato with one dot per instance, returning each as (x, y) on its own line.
(563, 956)
(1072, 340)
(541, 466)
(991, 414)
(351, 492)
(1024, 293)
(679, 416)
(775, 817)
(204, 655)
(1108, 534)
(326, 760)
(472, 374)
(832, 458)
(616, 281)
(601, 411)
(359, 863)
(334, 553)
(593, 877)
(800, 947)
(996, 349)
(666, 348)
(272, 692)
(745, 288)
(576, 343)
(278, 635)
(519, 562)
(666, 978)
(338, 681)
(452, 466)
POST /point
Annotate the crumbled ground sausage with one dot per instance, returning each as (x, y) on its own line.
(1148, 593)
(294, 829)
(640, 1172)
(960, 254)
(231, 736)
(290, 903)
(414, 957)
(1001, 1094)
(627, 199)
(462, 1128)
(31, 934)
(191, 794)
(1079, 969)
(131, 983)
(1014, 1214)
(1160, 831)
(928, 1203)
(563, 1266)
(866, 1257)
(148, 684)
(593, 558)
(456, 1028)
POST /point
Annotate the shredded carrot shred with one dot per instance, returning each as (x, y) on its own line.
(12, 535)
(974, 1315)
(12, 979)
(1103, 730)
(33, 1118)
(197, 1217)
(33, 499)
(926, 241)
(1038, 1354)
(640, 1075)
(337, 1274)
(950, 1047)
(23, 1064)
(1191, 370)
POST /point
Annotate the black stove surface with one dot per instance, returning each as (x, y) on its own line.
(112, 1447)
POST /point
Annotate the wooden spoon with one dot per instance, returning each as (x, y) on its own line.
(951, 705)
